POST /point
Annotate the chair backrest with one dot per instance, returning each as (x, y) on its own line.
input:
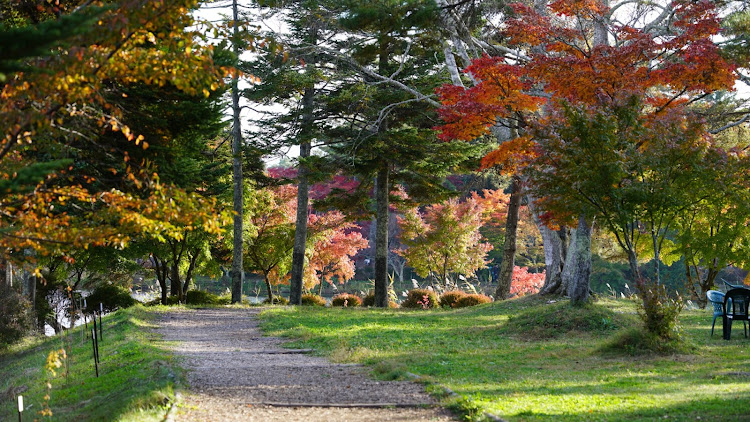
(738, 300)
(717, 299)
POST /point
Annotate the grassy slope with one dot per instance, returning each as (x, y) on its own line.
(507, 359)
(135, 381)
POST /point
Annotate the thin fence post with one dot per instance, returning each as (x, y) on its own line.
(93, 347)
(101, 326)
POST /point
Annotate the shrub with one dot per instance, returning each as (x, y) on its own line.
(346, 300)
(111, 297)
(420, 299)
(277, 300)
(449, 298)
(472, 300)
(202, 297)
(658, 311)
(369, 300)
(312, 300)
(15, 316)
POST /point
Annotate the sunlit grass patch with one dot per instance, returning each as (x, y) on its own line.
(528, 359)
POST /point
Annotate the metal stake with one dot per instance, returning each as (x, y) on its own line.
(93, 346)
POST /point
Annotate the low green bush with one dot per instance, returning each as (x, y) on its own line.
(277, 300)
(202, 297)
(658, 311)
(111, 297)
(472, 300)
(346, 300)
(310, 299)
(15, 316)
(449, 298)
(420, 299)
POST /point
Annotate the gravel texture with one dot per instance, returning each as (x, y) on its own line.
(235, 374)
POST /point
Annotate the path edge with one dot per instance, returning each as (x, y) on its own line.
(450, 393)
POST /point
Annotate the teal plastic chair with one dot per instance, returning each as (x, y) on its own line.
(717, 300)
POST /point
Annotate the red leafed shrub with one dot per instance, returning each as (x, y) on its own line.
(346, 300)
(472, 300)
(449, 299)
(525, 283)
(420, 299)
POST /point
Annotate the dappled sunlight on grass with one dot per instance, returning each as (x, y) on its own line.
(478, 353)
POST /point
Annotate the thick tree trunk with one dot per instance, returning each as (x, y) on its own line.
(509, 247)
(554, 243)
(580, 270)
(237, 267)
(381, 238)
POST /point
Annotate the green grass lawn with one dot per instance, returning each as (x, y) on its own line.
(136, 375)
(528, 360)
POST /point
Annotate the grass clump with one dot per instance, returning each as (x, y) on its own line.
(638, 342)
(420, 299)
(346, 300)
(136, 376)
(545, 320)
(277, 300)
(472, 300)
(310, 299)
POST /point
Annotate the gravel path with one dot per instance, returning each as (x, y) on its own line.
(236, 374)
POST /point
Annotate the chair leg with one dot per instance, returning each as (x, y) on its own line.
(727, 328)
(713, 323)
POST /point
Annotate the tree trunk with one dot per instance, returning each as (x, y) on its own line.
(160, 268)
(303, 188)
(189, 274)
(269, 287)
(554, 243)
(657, 258)
(381, 238)
(6, 273)
(237, 267)
(578, 286)
(509, 247)
(175, 288)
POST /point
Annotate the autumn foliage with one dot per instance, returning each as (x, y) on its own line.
(62, 95)
(525, 283)
(566, 67)
(444, 238)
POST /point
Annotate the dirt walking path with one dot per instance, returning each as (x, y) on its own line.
(236, 374)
